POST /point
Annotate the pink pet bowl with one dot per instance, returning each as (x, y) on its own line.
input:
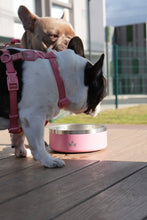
(77, 138)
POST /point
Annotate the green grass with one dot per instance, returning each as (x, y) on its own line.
(131, 115)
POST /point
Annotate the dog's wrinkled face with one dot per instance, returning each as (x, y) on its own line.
(44, 33)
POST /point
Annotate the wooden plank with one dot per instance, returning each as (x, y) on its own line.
(5, 145)
(6, 151)
(121, 139)
(125, 143)
(12, 164)
(63, 194)
(124, 201)
(28, 178)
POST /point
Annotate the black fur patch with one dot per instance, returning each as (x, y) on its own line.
(4, 93)
(96, 88)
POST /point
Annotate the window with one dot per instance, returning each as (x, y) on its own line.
(129, 33)
(59, 6)
(135, 66)
(55, 8)
(57, 12)
(144, 30)
(119, 66)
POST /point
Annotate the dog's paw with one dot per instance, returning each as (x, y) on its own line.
(48, 161)
(54, 163)
(20, 151)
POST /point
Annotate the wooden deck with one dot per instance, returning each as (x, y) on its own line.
(107, 185)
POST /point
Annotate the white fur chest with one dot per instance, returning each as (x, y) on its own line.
(39, 88)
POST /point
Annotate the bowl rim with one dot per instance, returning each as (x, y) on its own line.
(72, 129)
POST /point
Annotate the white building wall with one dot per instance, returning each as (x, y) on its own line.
(97, 22)
(80, 20)
(6, 18)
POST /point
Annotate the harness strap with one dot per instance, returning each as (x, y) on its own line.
(63, 100)
(28, 55)
(12, 80)
(13, 86)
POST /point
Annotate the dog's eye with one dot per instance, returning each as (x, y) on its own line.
(55, 35)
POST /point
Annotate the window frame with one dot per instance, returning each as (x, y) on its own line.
(43, 8)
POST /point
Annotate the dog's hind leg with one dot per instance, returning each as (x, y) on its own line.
(33, 128)
(17, 141)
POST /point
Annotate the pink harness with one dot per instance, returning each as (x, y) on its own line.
(13, 85)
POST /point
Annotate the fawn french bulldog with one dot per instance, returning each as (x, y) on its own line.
(42, 33)
(84, 86)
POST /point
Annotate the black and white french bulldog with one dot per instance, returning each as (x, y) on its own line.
(85, 87)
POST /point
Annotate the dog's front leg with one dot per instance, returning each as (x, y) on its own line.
(34, 130)
(17, 141)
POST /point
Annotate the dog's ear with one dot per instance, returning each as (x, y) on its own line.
(97, 67)
(93, 72)
(76, 44)
(28, 19)
(64, 16)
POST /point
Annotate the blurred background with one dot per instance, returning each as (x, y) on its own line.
(117, 28)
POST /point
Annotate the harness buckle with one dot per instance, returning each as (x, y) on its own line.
(12, 81)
